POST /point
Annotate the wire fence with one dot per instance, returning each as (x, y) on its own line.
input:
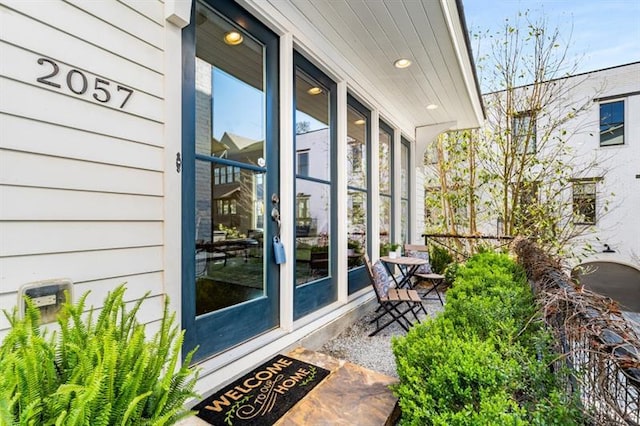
(599, 351)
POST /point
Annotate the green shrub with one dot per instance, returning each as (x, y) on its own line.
(450, 273)
(485, 359)
(447, 373)
(95, 370)
(439, 258)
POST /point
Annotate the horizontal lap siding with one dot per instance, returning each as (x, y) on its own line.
(81, 182)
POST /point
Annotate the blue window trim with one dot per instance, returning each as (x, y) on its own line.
(312, 296)
(358, 277)
(392, 231)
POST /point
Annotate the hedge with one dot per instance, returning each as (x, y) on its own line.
(484, 359)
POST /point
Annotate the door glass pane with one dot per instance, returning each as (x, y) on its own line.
(385, 162)
(312, 126)
(385, 219)
(384, 158)
(230, 132)
(357, 179)
(229, 240)
(404, 171)
(313, 229)
(230, 90)
(356, 227)
(404, 189)
(404, 222)
(356, 149)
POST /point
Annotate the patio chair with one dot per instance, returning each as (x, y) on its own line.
(394, 302)
(424, 273)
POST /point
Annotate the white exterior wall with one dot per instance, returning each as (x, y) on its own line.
(82, 182)
(618, 193)
(618, 227)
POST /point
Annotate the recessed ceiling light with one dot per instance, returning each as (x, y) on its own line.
(233, 38)
(432, 106)
(314, 91)
(359, 122)
(402, 63)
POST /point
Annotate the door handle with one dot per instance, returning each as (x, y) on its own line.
(275, 212)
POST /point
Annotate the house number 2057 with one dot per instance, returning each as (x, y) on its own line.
(77, 82)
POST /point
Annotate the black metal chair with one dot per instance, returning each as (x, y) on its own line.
(394, 303)
(424, 273)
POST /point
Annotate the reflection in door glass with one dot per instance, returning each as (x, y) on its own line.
(357, 183)
(313, 179)
(313, 224)
(229, 196)
(385, 150)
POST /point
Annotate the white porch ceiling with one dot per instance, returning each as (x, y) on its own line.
(365, 37)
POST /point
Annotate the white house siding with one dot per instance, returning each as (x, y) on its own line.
(619, 165)
(81, 182)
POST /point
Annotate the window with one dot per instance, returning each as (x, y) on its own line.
(226, 207)
(385, 158)
(358, 131)
(528, 200)
(523, 126)
(584, 202)
(315, 103)
(612, 123)
(405, 201)
(303, 163)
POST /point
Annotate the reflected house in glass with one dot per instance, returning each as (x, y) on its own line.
(236, 199)
(311, 201)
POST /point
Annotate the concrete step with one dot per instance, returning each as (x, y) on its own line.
(349, 395)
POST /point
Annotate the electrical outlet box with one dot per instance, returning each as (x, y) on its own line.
(46, 296)
(45, 300)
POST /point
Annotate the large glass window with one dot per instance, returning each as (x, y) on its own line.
(313, 178)
(404, 191)
(612, 123)
(230, 128)
(523, 126)
(528, 194)
(357, 185)
(584, 201)
(385, 161)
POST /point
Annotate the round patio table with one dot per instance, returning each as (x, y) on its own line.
(407, 266)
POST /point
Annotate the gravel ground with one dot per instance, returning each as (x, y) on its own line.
(374, 353)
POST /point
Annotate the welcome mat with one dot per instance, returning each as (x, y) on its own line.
(262, 396)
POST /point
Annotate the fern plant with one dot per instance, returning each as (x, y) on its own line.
(95, 370)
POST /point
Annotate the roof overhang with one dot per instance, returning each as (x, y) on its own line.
(358, 41)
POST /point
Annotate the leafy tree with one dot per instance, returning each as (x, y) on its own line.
(517, 172)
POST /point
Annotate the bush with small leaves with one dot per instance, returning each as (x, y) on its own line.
(485, 359)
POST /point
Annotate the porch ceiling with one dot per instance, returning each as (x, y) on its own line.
(365, 37)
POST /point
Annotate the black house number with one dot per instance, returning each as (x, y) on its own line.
(77, 82)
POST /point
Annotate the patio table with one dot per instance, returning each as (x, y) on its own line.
(407, 265)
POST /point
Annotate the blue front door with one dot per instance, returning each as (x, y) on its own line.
(230, 172)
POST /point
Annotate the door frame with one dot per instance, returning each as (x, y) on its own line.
(206, 333)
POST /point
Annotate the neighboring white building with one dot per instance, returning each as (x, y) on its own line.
(602, 196)
(149, 142)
